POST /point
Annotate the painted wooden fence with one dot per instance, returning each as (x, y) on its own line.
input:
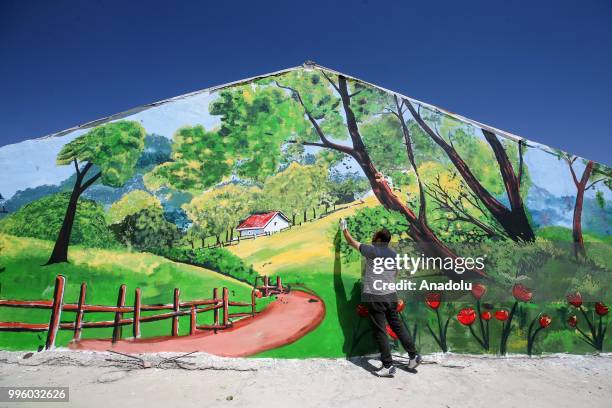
(266, 289)
(218, 305)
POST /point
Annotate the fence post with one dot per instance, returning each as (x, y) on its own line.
(175, 318)
(279, 283)
(79, 314)
(56, 311)
(215, 310)
(225, 307)
(266, 280)
(119, 314)
(193, 321)
(253, 303)
(136, 326)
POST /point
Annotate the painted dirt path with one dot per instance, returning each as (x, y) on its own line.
(284, 321)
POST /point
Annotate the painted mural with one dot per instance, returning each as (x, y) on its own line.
(209, 222)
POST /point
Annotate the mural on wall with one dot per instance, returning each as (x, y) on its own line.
(210, 222)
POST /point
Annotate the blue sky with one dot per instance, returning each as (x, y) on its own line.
(538, 69)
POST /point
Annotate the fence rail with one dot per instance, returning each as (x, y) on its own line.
(268, 290)
(218, 305)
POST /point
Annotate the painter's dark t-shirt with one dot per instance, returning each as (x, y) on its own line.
(370, 252)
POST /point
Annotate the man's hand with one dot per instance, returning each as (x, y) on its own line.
(347, 235)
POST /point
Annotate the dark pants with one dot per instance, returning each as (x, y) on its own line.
(382, 313)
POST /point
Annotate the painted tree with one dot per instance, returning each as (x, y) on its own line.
(138, 221)
(193, 234)
(346, 187)
(399, 144)
(219, 210)
(460, 215)
(335, 111)
(514, 219)
(295, 190)
(147, 229)
(199, 160)
(253, 124)
(112, 150)
(131, 203)
(42, 219)
(592, 175)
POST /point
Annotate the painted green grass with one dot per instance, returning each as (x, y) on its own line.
(291, 255)
(562, 234)
(104, 271)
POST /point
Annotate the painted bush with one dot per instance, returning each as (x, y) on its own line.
(149, 198)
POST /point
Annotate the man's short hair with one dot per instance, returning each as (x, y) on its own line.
(382, 235)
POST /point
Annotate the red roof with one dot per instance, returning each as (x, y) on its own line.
(259, 220)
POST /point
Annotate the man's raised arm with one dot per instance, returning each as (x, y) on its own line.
(347, 235)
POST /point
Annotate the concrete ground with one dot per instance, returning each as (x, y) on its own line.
(112, 380)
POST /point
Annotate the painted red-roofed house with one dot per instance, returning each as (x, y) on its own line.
(263, 223)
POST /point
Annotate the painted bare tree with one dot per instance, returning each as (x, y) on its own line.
(514, 220)
(592, 175)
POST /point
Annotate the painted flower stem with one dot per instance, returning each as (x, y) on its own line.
(531, 340)
(544, 320)
(485, 334)
(441, 337)
(587, 339)
(506, 330)
(602, 333)
(478, 339)
(589, 323)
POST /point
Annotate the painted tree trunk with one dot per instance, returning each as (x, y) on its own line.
(60, 249)
(514, 220)
(419, 231)
(579, 249)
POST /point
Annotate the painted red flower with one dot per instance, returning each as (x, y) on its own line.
(362, 311)
(401, 305)
(545, 321)
(478, 290)
(466, 316)
(601, 309)
(258, 294)
(486, 315)
(391, 333)
(433, 300)
(572, 321)
(501, 315)
(521, 293)
(575, 299)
